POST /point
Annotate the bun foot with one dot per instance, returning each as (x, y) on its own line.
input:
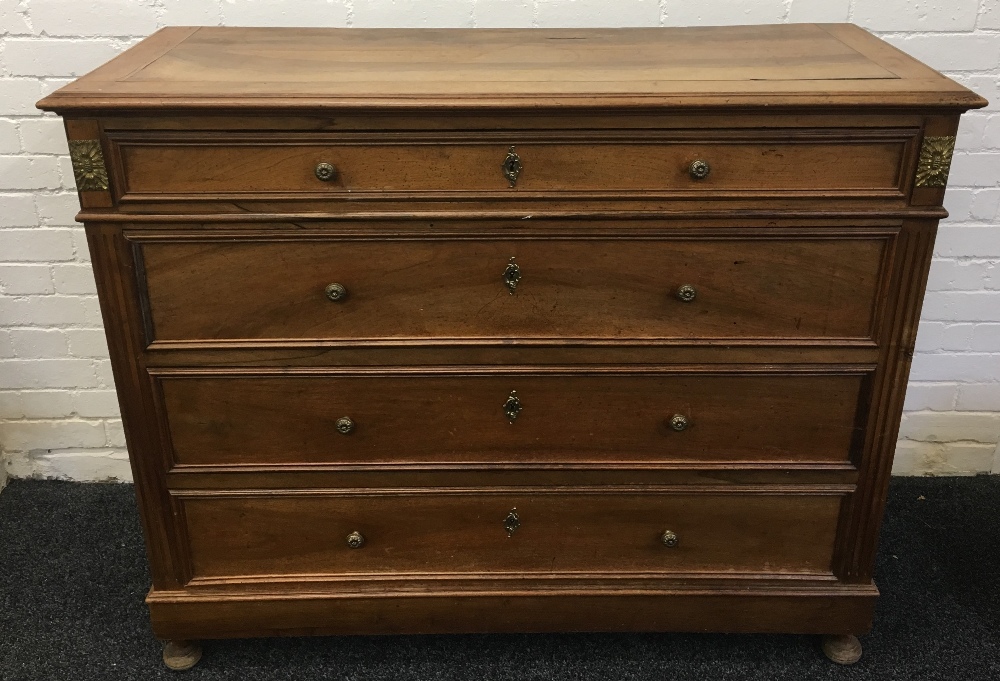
(841, 648)
(181, 655)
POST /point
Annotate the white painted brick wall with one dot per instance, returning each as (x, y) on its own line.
(297, 13)
(57, 18)
(725, 12)
(503, 13)
(916, 15)
(590, 13)
(58, 412)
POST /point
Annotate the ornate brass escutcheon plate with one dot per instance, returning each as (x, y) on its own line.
(512, 407)
(511, 166)
(511, 522)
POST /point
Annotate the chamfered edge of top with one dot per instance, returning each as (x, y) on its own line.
(920, 87)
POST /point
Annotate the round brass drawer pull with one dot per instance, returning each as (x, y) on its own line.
(336, 292)
(699, 169)
(686, 293)
(669, 539)
(345, 425)
(355, 540)
(326, 171)
(679, 422)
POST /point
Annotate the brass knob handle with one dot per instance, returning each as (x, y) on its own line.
(679, 422)
(511, 275)
(512, 407)
(699, 169)
(355, 540)
(511, 166)
(686, 293)
(326, 171)
(336, 292)
(669, 539)
(345, 425)
(511, 522)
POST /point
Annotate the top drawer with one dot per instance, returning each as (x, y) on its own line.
(779, 163)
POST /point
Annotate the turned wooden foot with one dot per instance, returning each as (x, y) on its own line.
(842, 648)
(181, 655)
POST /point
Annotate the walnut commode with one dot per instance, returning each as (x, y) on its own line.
(511, 331)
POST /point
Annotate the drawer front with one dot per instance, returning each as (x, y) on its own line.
(512, 418)
(501, 290)
(780, 163)
(476, 532)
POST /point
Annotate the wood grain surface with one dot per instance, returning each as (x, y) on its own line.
(776, 163)
(773, 65)
(464, 532)
(621, 288)
(566, 417)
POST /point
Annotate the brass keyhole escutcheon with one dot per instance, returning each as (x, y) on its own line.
(699, 169)
(344, 425)
(512, 407)
(679, 422)
(669, 539)
(511, 166)
(686, 293)
(355, 540)
(336, 292)
(511, 276)
(326, 171)
(511, 522)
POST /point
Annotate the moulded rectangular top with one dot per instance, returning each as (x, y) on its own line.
(791, 65)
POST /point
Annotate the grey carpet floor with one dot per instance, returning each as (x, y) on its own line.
(73, 576)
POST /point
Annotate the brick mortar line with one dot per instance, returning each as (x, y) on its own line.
(80, 37)
(965, 353)
(983, 443)
(971, 412)
(112, 418)
(91, 296)
(114, 448)
(931, 33)
(60, 357)
(969, 259)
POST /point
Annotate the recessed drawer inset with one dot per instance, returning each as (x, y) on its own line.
(500, 290)
(785, 162)
(577, 417)
(489, 531)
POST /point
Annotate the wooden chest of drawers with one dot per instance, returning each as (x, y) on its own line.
(473, 331)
